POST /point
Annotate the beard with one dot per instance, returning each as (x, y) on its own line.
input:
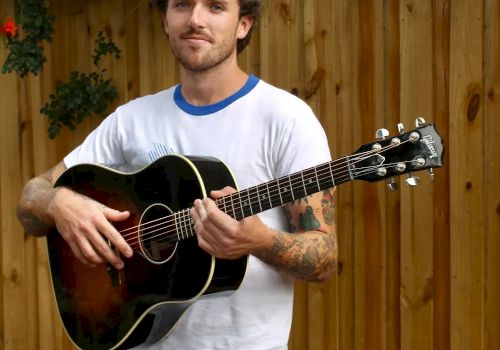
(193, 60)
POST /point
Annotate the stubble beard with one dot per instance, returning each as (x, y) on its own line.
(189, 60)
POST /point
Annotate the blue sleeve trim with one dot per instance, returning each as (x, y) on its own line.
(213, 108)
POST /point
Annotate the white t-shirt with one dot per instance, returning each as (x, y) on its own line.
(260, 133)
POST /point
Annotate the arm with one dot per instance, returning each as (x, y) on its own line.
(310, 251)
(82, 222)
(309, 254)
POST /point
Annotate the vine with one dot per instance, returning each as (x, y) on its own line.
(84, 94)
(25, 49)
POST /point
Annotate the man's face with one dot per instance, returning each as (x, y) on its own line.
(203, 33)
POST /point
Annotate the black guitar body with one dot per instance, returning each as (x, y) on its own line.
(103, 308)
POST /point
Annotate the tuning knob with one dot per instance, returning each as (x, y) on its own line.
(381, 134)
(392, 185)
(412, 180)
(431, 174)
(401, 128)
(419, 122)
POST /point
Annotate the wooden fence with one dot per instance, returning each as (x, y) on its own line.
(418, 268)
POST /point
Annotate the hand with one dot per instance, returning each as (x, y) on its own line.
(222, 236)
(85, 225)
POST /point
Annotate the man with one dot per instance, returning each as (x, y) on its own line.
(259, 131)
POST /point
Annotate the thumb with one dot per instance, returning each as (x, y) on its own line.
(223, 192)
(115, 215)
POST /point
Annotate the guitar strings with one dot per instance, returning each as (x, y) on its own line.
(271, 189)
(161, 235)
(186, 221)
(325, 173)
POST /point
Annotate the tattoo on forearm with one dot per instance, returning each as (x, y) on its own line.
(328, 206)
(307, 220)
(36, 189)
(304, 257)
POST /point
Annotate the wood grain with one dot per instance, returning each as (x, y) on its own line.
(418, 268)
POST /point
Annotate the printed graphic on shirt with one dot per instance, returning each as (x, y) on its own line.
(159, 150)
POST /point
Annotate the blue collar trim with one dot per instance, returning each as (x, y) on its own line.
(181, 102)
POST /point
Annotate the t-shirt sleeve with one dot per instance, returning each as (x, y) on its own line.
(102, 146)
(303, 144)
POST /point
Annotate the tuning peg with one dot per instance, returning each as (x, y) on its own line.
(431, 174)
(401, 128)
(412, 180)
(381, 134)
(419, 122)
(392, 185)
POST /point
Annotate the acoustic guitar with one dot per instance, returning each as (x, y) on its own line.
(104, 308)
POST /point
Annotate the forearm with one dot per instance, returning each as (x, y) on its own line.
(310, 256)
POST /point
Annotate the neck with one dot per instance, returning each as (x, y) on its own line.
(213, 85)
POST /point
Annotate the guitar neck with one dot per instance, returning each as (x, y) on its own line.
(286, 189)
(416, 150)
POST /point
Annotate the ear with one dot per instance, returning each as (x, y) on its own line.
(244, 25)
(165, 22)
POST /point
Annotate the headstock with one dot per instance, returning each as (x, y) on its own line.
(415, 150)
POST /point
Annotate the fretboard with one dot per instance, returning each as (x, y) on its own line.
(275, 193)
(286, 189)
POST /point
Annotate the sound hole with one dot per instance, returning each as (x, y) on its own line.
(157, 234)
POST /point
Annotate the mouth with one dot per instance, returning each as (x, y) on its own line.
(196, 38)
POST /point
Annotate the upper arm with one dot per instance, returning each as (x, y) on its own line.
(313, 213)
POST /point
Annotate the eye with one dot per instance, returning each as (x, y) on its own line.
(217, 7)
(181, 4)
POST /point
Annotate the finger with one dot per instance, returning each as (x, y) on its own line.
(87, 249)
(116, 239)
(115, 215)
(216, 194)
(103, 249)
(79, 255)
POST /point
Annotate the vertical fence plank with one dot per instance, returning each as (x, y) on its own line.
(491, 166)
(13, 278)
(441, 311)
(417, 209)
(466, 165)
(391, 114)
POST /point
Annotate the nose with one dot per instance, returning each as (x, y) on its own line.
(196, 20)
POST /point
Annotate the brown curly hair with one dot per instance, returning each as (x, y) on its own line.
(247, 8)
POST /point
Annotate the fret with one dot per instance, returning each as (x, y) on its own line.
(191, 232)
(241, 206)
(279, 191)
(269, 196)
(254, 198)
(310, 182)
(275, 200)
(186, 221)
(349, 168)
(231, 212)
(176, 227)
(331, 173)
(317, 180)
(286, 190)
(249, 202)
(291, 187)
(303, 183)
(263, 196)
(296, 186)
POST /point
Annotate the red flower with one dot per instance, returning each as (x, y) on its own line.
(9, 27)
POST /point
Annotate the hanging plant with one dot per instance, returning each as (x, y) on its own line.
(84, 94)
(24, 46)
